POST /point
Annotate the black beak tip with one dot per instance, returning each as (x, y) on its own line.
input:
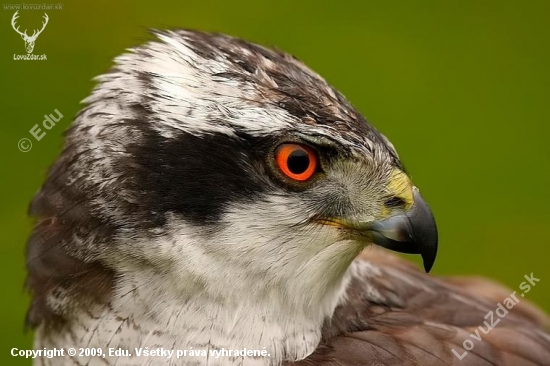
(429, 260)
(425, 232)
(428, 251)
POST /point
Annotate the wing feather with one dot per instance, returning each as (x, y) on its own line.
(397, 315)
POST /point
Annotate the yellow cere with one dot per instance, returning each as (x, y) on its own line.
(400, 186)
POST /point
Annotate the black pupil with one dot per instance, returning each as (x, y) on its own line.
(298, 161)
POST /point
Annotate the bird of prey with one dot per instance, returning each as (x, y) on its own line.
(213, 196)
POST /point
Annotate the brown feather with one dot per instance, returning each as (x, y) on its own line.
(422, 318)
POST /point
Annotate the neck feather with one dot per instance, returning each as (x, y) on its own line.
(152, 309)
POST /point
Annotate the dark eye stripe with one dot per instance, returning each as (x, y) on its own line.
(194, 177)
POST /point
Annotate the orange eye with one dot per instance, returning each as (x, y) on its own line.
(297, 162)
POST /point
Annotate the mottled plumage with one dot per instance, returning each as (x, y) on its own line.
(417, 320)
(165, 222)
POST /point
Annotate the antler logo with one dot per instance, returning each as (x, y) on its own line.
(29, 41)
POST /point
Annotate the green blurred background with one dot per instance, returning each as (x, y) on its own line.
(460, 88)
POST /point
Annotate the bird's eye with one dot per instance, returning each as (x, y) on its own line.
(298, 162)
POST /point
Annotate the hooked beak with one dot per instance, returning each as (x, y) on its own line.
(413, 232)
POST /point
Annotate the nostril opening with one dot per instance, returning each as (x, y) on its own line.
(395, 202)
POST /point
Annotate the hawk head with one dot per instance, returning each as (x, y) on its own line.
(227, 170)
